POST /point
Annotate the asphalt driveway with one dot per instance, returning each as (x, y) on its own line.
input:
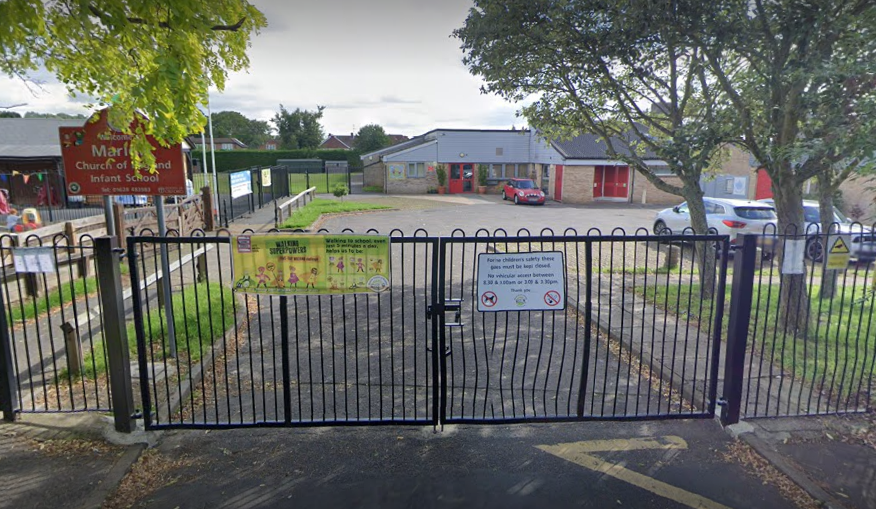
(472, 212)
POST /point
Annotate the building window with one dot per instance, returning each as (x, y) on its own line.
(270, 146)
(661, 171)
(416, 170)
(500, 151)
(507, 171)
(227, 146)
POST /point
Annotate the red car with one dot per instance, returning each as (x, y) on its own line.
(522, 191)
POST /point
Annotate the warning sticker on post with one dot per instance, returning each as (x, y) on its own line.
(521, 282)
(838, 252)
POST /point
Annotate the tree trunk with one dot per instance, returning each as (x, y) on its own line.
(703, 251)
(825, 210)
(793, 296)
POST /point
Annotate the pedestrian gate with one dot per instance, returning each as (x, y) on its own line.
(422, 352)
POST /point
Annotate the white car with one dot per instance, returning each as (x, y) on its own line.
(727, 217)
(863, 238)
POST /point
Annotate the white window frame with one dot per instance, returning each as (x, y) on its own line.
(227, 146)
(419, 170)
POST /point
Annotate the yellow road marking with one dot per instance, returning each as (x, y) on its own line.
(578, 453)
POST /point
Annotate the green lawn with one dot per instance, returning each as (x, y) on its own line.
(64, 294)
(195, 310)
(311, 212)
(30, 307)
(842, 331)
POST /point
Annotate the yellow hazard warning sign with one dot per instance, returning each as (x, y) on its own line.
(838, 252)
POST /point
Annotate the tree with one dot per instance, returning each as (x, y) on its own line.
(231, 124)
(9, 114)
(621, 70)
(786, 67)
(299, 128)
(371, 137)
(156, 58)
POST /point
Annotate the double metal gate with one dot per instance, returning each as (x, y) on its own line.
(421, 352)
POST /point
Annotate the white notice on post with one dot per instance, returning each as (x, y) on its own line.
(521, 282)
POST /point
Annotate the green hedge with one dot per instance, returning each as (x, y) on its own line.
(230, 160)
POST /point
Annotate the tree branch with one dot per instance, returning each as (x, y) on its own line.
(164, 24)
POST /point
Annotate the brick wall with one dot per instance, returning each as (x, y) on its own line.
(860, 193)
(647, 193)
(577, 183)
(375, 175)
(417, 185)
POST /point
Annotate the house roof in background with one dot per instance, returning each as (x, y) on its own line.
(348, 140)
(32, 137)
(217, 141)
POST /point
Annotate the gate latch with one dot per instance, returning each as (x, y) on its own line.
(454, 305)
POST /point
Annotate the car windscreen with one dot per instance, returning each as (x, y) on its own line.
(810, 214)
(755, 213)
(525, 184)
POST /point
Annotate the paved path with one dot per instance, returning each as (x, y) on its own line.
(658, 465)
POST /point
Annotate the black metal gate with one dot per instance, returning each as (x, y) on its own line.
(421, 352)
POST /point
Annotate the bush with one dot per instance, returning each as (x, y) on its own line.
(231, 160)
(340, 190)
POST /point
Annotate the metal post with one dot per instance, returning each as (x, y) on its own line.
(213, 158)
(108, 215)
(165, 277)
(737, 337)
(284, 343)
(8, 394)
(115, 332)
(73, 349)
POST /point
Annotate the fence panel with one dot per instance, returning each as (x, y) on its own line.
(54, 327)
(624, 347)
(812, 338)
(352, 359)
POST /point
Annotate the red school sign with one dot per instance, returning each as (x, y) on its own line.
(97, 162)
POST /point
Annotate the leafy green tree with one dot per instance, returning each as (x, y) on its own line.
(621, 70)
(231, 124)
(799, 76)
(371, 137)
(9, 114)
(153, 57)
(299, 128)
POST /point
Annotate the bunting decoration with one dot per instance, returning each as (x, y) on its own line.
(26, 178)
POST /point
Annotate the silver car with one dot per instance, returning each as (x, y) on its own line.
(727, 217)
(863, 238)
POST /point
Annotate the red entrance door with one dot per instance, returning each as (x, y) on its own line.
(461, 175)
(611, 182)
(597, 182)
(558, 186)
(764, 187)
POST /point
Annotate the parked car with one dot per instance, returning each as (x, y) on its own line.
(522, 191)
(863, 246)
(727, 217)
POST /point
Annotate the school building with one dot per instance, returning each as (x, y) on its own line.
(571, 171)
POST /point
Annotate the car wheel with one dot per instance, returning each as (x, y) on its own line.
(660, 228)
(516, 200)
(814, 250)
(504, 197)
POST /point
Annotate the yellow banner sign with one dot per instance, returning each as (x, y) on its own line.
(306, 264)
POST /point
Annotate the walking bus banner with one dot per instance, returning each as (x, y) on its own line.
(308, 264)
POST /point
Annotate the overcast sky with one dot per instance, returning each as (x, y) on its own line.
(390, 62)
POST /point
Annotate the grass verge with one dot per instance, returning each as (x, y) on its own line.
(202, 312)
(836, 353)
(306, 216)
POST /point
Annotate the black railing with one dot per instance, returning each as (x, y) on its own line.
(373, 358)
